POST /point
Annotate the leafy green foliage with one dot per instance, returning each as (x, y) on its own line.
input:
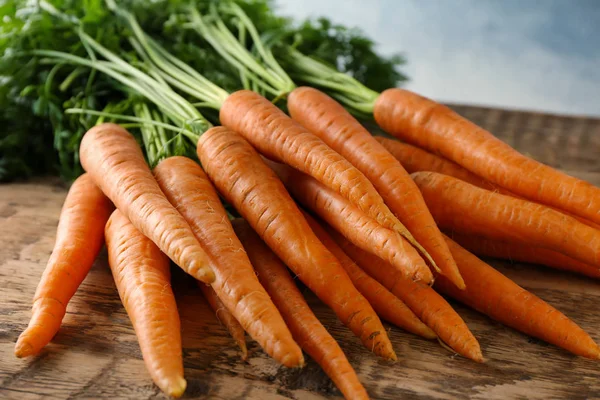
(39, 138)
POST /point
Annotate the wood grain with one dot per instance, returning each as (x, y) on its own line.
(96, 355)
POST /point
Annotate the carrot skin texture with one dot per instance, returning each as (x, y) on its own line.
(461, 207)
(426, 303)
(353, 223)
(493, 294)
(115, 161)
(143, 279)
(246, 182)
(481, 246)
(387, 305)
(190, 191)
(282, 139)
(226, 318)
(306, 328)
(79, 239)
(330, 121)
(436, 128)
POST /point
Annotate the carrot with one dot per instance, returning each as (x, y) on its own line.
(189, 190)
(461, 207)
(524, 253)
(415, 159)
(246, 182)
(426, 303)
(143, 279)
(79, 238)
(306, 328)
(388, 306)
(436, 128)
(114, 160)
(226, 318)
(493, 294)
(354, 224)
(282, 139)
(342, 132)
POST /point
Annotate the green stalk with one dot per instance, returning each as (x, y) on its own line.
(358, 98)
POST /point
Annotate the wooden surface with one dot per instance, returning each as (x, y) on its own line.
(96, 356)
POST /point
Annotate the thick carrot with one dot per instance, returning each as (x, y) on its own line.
(226, 318)
(426, 303)
(436, 128)
(461, 207)
(282, 139)
(493, 294)
(306, 328)
(188, 188)
(79, 238)
(114, 160)
(143, 279)
(524, 253)
(388, 306)
(330, 121)
(415, 159)
(246, 182)
(354, 224)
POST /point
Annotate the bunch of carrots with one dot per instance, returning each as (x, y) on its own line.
(377, 228)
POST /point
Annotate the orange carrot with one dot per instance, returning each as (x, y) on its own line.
(189, 190)
(461, 207)
(226, 318)
(415, 159)
(493, 294)
(306, 328)
(143, 279)
(388, 306)
(246, 182)
(79, 238)
(354, 224)
(524, 253)
(436, 128)
(114, 160)
(426, 303)
(342, 132)
(282, 139)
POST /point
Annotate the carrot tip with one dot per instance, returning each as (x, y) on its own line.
(293, 361)
(205, 275)
(23, 349)
(175, 387)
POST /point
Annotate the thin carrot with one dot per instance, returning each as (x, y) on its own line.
(386, 304)
(189, 190)
(226, 318)
(461, 207)
(354, 224)
(329, 120)
(246, 182)
(436, 128)
(493, 294)
(524, 253)
(143, 278)
(306, 328)
(112, 157)
(79, 238)
(416, 159)
(282, 139)
(426, 303)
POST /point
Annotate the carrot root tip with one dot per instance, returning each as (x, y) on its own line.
(23, 349)
(175, 387)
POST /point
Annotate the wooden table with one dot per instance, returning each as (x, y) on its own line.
(96, 355)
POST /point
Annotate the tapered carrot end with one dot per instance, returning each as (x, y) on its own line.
(173, 387)
(293, 360)
(456, 280)
(244, 351)
(23, 348)
(204, 274)
(427, 333)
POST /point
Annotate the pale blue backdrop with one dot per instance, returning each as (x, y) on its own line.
(527, 54)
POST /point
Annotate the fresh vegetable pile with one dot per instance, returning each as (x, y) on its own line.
(199, 148)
